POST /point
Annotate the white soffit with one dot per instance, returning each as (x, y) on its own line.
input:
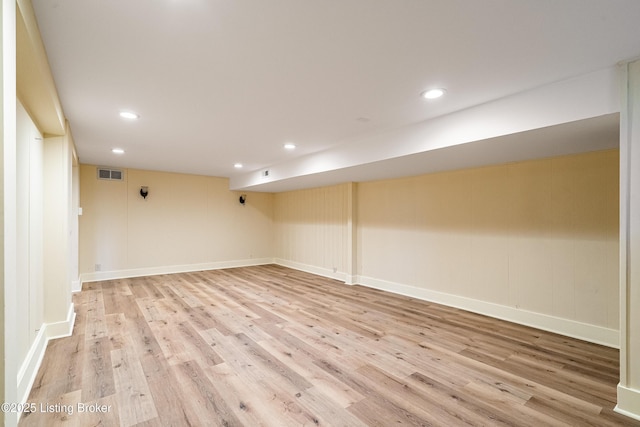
(574, 115)
(599, 133)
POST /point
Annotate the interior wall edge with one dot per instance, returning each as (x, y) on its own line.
(570, 328)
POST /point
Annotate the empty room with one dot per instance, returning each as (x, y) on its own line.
(338, 213)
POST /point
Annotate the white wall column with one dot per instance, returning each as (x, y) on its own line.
(8, 216)
(75, 224)
(57, 234)
(629, 387)
(352, 233)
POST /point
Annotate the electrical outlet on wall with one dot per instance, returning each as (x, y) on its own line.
(98, 267)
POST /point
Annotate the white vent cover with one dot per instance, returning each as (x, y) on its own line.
(110, 174)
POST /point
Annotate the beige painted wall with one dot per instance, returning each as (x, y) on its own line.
(185, 220)
(540, 236)
(311, 228)
(534, 242)
(535, 237)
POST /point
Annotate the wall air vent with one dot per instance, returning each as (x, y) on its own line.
(110, 174)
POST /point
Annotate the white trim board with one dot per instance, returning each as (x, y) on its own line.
(628, 402)
(319, 271)
(49, 331)
(172, 269)
(570, 328)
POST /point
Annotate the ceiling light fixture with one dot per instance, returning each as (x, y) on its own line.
(117, 151)
(238, 165)
(289, 146)
(129, 115)
(433, 93)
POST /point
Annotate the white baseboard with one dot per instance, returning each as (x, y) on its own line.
(76, 286)
(172, 269)
(48, 331)
(628, 402)
(325, 272)
(64, 328)
(571, 328)
(29, 369)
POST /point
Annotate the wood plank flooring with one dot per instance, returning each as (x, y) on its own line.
(270, 346)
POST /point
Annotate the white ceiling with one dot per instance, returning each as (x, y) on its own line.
(217, 82)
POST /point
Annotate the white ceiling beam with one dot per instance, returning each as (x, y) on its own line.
(579, 98)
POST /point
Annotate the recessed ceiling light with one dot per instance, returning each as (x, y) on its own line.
(290, 146)
(433, 93)
(117, 151)
(237, 165)
(129, 115)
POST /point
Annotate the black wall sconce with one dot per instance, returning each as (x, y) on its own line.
(242, 199)
(144, 191)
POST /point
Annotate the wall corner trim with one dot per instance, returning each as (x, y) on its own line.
(628, 402)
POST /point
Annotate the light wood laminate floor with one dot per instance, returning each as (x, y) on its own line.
(273, 346)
